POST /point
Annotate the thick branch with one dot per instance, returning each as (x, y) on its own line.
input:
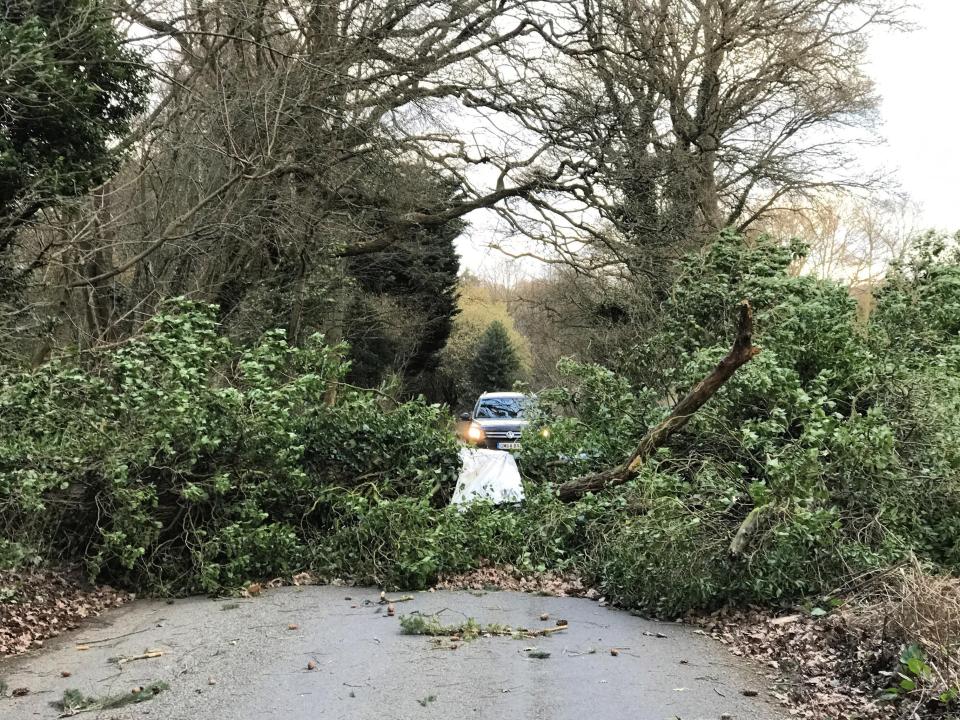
(741, 353)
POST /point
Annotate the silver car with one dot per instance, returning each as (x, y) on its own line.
(497, 420)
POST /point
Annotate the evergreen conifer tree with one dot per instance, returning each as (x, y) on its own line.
(495, 362)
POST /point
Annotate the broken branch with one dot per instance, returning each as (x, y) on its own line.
(741, 353)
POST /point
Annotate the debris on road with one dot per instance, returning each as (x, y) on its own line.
(146, 655)
(75, 702)
(304, 578)
(384, 600)
(797, 648)
(360, 649)
(469, 630)
(40, 604)
(508, 577)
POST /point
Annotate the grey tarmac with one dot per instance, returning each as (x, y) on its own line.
(240, 660)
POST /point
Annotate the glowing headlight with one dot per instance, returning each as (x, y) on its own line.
(545, 432)
(475, 433)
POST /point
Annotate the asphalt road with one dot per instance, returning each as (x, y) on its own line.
(239, 660)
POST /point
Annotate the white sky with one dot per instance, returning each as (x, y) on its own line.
(917, 75)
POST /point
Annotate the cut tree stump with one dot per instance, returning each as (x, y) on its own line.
(741, 353)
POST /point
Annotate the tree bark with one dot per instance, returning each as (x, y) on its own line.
(741, 353)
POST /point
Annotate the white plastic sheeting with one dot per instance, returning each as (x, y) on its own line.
(487, 475)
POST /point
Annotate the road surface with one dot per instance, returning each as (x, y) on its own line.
(248, 660)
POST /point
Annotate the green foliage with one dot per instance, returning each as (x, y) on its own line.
(430, 625)
(495, 363)
(591, 422)
(70, 84)
(915, 678)
(406, 543)
(181, 462)
(403, 310)
(840, 437)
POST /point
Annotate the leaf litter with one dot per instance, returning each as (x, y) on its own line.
(42, 603)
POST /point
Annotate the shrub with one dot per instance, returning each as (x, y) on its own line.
(179, 462)
(839, 440)
(406, 543)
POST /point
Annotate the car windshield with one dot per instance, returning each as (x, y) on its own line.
(502, 407)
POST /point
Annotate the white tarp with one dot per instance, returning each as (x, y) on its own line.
(487, 475)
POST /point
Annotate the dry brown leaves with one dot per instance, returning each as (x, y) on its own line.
(40, 604)
(837, 666)
(508, 577)
(907, 605)
(815, 669)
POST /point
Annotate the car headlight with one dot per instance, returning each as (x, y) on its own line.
(545, 432)
(475, 433)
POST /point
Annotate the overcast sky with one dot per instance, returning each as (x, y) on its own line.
(916, 76)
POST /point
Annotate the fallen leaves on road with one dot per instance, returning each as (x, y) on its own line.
(814, 667)
(508, 577)
(40, 604)
(304, 578)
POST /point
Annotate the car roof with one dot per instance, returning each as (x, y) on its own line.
(502, 395)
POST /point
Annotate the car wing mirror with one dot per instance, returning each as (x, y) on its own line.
(466, 416)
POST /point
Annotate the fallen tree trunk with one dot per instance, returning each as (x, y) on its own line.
(741, 353)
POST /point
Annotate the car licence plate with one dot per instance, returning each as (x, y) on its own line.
(508, 446)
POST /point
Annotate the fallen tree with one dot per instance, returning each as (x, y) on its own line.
(740, 354)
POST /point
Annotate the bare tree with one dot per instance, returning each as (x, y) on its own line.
(287, 136)
(684, 117)
(284, 138)
(850, 238)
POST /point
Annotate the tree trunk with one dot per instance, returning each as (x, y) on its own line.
(741, 353)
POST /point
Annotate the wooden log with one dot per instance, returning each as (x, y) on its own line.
(741, 353)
